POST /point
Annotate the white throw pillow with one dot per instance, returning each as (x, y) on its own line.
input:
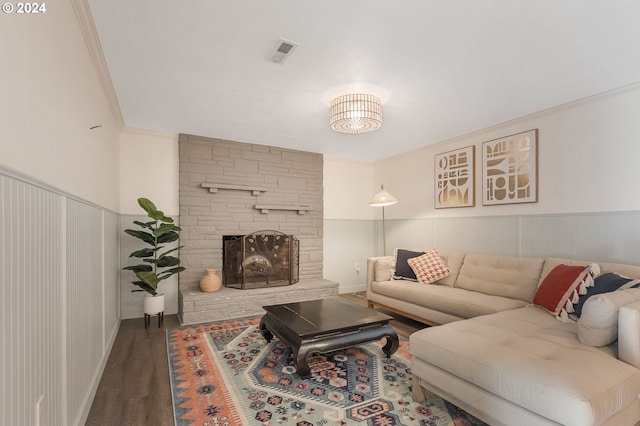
(383, 269)
(598, 324)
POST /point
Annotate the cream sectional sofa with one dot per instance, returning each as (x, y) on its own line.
(502, 358)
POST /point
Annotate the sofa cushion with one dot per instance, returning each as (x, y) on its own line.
(629, 334)
(453, 260)
(383, 268)
(453, 301)
(598, 325)
(604, 283)
(528, 358)
(402, 269)
(429, 267)
(559, 290)
(505, 276)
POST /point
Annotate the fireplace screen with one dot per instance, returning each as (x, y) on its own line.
(258, 260)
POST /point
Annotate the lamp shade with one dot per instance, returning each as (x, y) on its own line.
(382, 199)
(356, 113)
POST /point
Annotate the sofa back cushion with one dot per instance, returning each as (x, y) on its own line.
(453, 260)
(629, 271)
(506, 276)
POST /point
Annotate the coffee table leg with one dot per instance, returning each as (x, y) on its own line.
(393, 343)
(264, 331)
(300, 358)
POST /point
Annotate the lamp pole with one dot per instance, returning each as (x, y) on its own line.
(382, 199)
(384, 239)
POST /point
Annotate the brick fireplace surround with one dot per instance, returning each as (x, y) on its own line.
(233, 188)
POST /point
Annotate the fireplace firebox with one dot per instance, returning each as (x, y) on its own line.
(261, 259)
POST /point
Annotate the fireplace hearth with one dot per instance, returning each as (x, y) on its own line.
(260, 259)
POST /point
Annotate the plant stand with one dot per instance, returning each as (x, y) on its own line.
(147, 319)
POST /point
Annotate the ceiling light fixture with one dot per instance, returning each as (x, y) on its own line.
(356, 113)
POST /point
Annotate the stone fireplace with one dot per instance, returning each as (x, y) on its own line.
(231, 188)
(260, 259)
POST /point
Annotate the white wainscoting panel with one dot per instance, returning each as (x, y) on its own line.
(605, 236)
(60, 302)
(347, 243)
(611, 237)
(111, 278)
(32, 349)
(85, 332)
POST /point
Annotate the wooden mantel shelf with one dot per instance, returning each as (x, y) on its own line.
(214, 187)
(264, 208)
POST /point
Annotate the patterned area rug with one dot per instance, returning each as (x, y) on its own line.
(225, 373)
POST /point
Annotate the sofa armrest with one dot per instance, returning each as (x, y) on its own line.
(629, 334)
(386, 263)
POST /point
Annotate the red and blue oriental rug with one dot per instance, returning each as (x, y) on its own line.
(225, 373)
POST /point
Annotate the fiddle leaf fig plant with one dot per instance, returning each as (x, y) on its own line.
(158, 264)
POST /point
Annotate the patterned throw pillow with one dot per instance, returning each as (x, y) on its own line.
(561, 288)
(429, 267)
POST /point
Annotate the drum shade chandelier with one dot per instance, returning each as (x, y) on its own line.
(356, 113)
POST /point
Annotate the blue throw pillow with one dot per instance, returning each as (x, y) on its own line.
(403, 270)
(605, 283)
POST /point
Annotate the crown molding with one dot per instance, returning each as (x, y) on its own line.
(88, 27)
(153, 133)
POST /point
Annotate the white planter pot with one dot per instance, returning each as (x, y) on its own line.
(153, 305)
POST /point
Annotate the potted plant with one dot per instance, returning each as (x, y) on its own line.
(158, 265)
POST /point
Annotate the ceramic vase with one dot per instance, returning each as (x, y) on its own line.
(153, 305)
(211, 281)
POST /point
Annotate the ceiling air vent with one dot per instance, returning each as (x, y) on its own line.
(283, 51)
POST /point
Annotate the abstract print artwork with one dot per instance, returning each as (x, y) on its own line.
(454, 178)
(510, 169)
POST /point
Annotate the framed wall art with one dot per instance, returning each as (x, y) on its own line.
(454, 178)
(510, 169)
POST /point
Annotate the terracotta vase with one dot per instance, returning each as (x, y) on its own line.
(211, 281)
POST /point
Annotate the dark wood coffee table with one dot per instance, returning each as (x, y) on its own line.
(325, 325)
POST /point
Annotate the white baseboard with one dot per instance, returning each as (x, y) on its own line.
(352, 288)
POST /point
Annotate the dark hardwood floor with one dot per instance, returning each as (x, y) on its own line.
(135, 388)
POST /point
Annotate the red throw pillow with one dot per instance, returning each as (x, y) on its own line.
(560, 289)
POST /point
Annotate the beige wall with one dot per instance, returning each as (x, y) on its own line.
(148, 168)
(51, 96)
(588, 155)
(348, 189)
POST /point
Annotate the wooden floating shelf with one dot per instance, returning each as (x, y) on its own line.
(214, 187)
(264, 208)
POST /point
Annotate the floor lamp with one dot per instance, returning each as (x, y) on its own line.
(382, 199)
